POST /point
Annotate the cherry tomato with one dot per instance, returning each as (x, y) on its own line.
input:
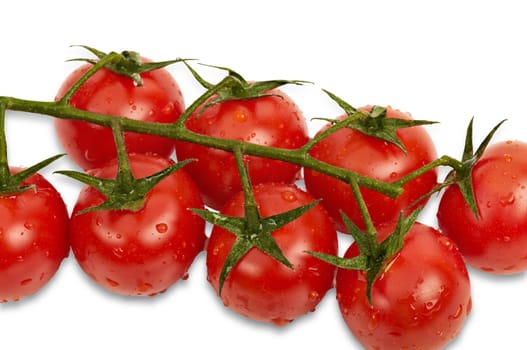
(273, 121)
(158, 100)
(372, 157)
(139, 252)
(258, 286)
(420, 301)
(33, 238)
(495, 242)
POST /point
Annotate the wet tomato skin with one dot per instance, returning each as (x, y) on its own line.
(139, 252)
(261, 288)
(158, 100)
(274, 121)
(421, 301)
(497, 241)
(375, 158)
(33, 241)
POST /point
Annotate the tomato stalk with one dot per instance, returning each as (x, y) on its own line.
(374, 255)
(178, 131)
(251, 231)
(11, 184)
(125, 192)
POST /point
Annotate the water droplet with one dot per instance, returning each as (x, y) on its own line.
(314, 295)
(314, 270)
(143, 287)
(445, 242)
(240, 116)
(508, 199)
(162, 228)
(28, 225)
(280, 321)
(429, 305)
(112, 282)
(456, 314)
(26, 281)
(373, 322)
(118, 252)
(289, 196)
(168, 109)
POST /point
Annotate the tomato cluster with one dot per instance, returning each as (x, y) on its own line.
(399, 285)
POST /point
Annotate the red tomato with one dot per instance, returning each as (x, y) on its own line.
(142, 252)
(272, 121)
(158, 100)
(366, 155)
(261, 288)
(420, 301)
(33, 241)
(497, 241)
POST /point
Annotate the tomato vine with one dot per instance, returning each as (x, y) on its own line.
(128, 193)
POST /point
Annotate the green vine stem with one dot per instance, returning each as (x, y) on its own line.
(180, 132)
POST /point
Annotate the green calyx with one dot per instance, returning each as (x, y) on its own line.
(125, 192)
(13, 183)
(373, 256)
(461, 174)
(238, 88)
(127, 63)
(251, 231)
(374, 123)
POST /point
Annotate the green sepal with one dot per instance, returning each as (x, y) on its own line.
(375, 123)
(13, 184)
(122, 197)
(462, 174)
(373, 256)
(238, 88)
(247, 237)
(129, 64)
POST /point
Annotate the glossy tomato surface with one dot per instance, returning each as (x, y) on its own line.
(274, 121)
(497, 241)
(33, 238)
(158, 100)
(139, 252)
(366, 155)
(420, 301)
(261, 288)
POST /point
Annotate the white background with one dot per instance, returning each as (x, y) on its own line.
(445, 61)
